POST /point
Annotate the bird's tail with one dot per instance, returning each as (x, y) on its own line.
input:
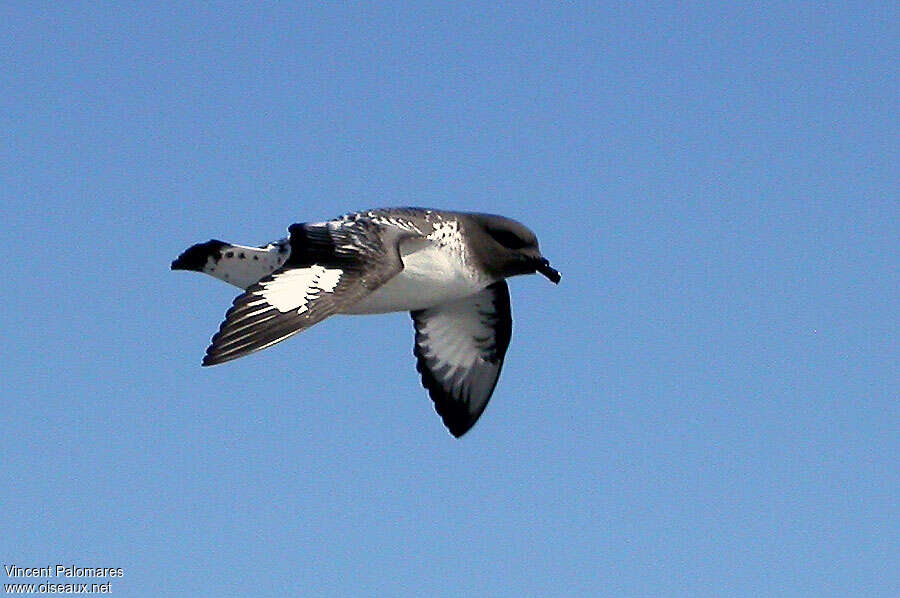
(235, 264)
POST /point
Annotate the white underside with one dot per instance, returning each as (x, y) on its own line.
(430, 276)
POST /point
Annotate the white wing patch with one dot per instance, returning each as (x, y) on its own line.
(317, 281)
(452, 334)
(295, 289)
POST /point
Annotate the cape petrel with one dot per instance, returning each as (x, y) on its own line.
(448, 269)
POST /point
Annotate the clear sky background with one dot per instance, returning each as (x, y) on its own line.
(707, 404)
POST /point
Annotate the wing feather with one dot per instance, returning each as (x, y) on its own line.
(459, 352)
(332, 266)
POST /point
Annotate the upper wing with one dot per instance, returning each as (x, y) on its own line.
(459, 350)
(332, 265)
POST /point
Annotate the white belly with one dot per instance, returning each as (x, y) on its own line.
(430, 276)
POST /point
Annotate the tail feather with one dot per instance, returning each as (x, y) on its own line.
(235, 264)
(195, 257)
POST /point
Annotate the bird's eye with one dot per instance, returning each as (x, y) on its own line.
(506, 238)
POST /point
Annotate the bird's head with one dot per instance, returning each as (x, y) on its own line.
(508, 248)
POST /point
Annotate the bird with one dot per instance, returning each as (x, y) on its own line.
(447, 269)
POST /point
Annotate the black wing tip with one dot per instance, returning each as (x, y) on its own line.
(218, 351)
(195, 257)
(209, 360)
(457, 422)
(212, 357)
(215, 355)
(458, 431)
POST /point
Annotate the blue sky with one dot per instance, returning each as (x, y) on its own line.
(707, 404)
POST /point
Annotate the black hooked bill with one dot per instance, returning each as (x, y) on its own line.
(543, 266)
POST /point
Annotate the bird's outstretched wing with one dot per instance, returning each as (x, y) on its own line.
(332, 266)
(459, 350)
